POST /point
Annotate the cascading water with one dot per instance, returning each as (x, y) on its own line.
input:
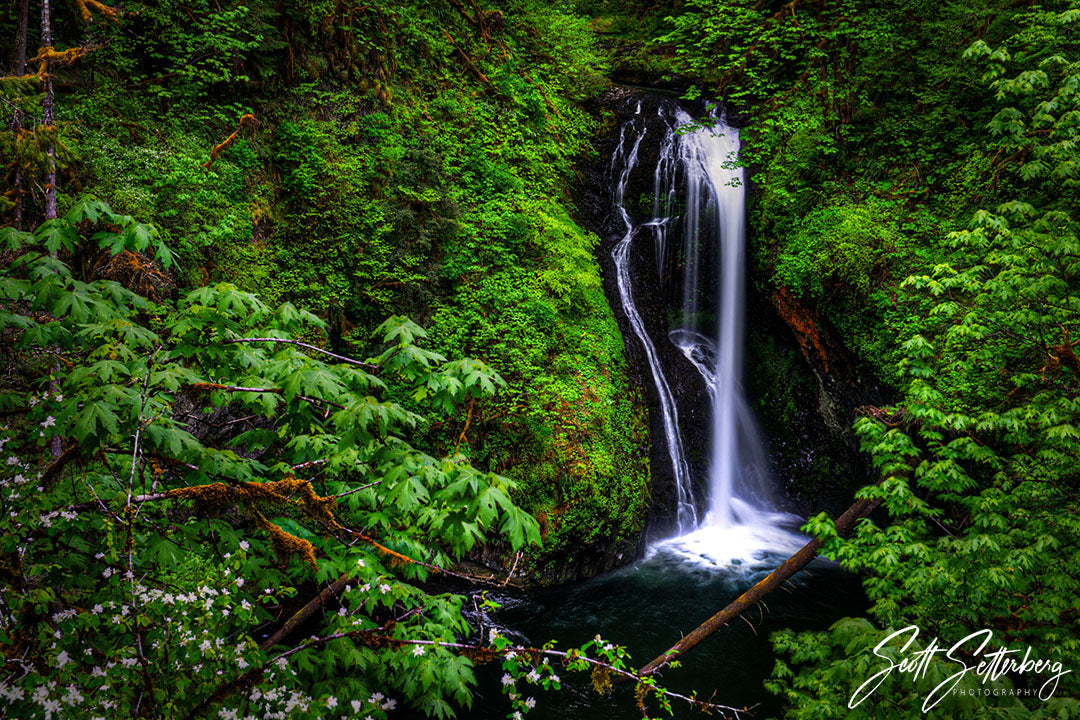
(686, 515)
(698, 187)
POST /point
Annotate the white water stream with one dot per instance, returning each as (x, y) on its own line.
(698, 187)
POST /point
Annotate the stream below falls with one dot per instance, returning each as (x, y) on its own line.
(647, 606)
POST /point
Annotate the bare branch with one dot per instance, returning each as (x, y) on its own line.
(314, 348)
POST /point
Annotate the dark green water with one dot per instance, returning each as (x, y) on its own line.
(647, 607)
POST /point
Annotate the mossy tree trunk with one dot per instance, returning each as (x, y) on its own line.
(48, 118)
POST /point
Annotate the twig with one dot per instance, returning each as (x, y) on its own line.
(356, 490)
(512, 569)
(375, 639)
(313, 348)
(275, 391)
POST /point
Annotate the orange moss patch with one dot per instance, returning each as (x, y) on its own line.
(289, 492)
(246, 121)
(88, 7)
(804, 324)
(49, 55)
(135, 272)
(1063, 354)
(207, 387)
(286, 545)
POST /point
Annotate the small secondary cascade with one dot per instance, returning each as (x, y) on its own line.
(699, 194)
(626, 158)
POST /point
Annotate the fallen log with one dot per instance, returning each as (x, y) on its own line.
(795, 563)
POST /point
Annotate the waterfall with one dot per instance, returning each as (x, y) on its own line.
(715, 214)
(699, 195)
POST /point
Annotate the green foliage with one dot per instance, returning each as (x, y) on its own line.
(839, 245)
(860, 133)
(209, 401)
(979, 462)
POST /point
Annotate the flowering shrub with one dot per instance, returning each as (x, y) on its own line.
(188, 489)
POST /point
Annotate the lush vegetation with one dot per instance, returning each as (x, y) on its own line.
(298, 314)
(408, 159)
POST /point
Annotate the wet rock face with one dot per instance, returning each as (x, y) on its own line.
(656, 294)
(806, 412)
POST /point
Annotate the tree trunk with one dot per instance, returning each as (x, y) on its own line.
(49, 122)
(16, 117)
(775, 579)
(48, 119)
(20, 38)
